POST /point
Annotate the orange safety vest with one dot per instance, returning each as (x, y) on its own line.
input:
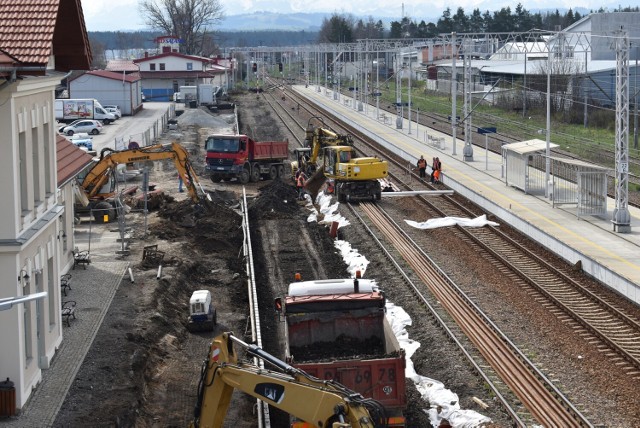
(422, 163)
(301, 178)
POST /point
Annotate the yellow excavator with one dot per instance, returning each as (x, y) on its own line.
(319, 403)
(98, 188)
(329, 156)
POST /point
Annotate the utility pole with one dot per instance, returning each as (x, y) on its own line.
(467, 152)
(621, 217)
(454, 91)
(399, 117)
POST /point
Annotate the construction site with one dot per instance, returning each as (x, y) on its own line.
(144, 357)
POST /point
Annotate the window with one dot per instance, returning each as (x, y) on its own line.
(152, 67)
(189, 66)
(162, 66)
(222, 145)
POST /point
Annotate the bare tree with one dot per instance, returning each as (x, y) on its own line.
(189, 20)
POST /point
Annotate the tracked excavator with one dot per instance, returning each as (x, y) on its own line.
(319, 403)
(329, 156)
(98, 188)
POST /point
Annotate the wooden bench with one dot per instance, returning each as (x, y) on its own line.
(65, 283)
(81, 258)
(68, 311)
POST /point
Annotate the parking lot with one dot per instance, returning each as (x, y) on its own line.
(119, 134)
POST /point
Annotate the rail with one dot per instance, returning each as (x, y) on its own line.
(264, 420)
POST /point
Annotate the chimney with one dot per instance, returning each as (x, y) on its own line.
(146, 54)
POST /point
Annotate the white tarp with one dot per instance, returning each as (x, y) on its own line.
(435, 223)
(443, 403)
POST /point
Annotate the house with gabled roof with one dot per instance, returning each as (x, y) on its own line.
(40, 42)
(163, 74)
(110, 88)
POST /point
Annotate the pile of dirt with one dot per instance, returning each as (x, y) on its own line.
(223, 123)
(277, 200)
(344, 347)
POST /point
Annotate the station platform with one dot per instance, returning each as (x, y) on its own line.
(609, 256)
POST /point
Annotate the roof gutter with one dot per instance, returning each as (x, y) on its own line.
(14, 73)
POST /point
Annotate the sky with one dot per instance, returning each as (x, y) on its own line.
(99, 14)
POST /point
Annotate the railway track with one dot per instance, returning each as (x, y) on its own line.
(561, 288)
(542, 399)
(593, 152)
(557, 288)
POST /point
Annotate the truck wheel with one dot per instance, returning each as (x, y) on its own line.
(244, 176)
(106, 121)
(280, 171)
(101, 209)
(273, 172)
(255, 173)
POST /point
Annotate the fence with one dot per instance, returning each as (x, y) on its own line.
(580, 183)
(148, 137)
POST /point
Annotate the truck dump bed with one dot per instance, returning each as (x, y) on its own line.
(270, 150)
(346, 337)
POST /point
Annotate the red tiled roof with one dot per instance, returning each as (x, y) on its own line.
(121, 65)
(178, 74)
(71, 159)
(134, 77)
(33, 30)
(179, 55)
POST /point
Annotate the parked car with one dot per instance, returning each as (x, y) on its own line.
(82, 139)
(92, 127)
(113, 109)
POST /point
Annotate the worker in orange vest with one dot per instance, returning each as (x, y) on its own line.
(301, 178)
(422, 166)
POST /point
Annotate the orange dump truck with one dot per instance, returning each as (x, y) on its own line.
(336, 329)
(242, 158)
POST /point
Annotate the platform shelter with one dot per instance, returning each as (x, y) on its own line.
(579, 183)
(524, 165)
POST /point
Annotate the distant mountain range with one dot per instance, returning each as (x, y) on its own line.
(260, 21)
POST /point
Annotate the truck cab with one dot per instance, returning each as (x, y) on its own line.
(238, 156)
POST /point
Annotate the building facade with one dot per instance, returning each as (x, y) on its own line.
(163, 74)
(40, 42)
(109, 88)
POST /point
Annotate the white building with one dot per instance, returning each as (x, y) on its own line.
(109, 88)
(163, 74)
(36, 213)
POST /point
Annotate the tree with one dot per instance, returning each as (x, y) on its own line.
(337, 29)
(188, 20)
(476, 23)
(445, 23)
(395, 31)
(460, 21)
(98, 51)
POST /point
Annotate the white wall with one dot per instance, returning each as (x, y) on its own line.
(172, 63)
(28, 231)
(106, 91)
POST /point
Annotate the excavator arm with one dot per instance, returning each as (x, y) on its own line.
(99, 175)
(319, 403)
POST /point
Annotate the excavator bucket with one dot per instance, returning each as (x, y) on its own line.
(315, 183)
